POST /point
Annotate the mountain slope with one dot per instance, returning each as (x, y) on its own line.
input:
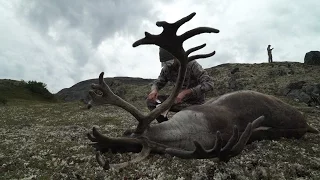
(264, 77)
(120, 85)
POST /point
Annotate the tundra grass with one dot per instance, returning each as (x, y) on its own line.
(48, 141)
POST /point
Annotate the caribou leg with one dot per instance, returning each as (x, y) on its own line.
(270, 133)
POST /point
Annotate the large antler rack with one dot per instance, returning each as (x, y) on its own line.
(169, 41)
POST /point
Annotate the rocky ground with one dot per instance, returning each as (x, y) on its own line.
(48, 141)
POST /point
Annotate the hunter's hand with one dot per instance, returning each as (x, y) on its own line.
(153, 95)
(182, 95)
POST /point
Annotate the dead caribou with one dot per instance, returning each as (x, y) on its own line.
(220, 128)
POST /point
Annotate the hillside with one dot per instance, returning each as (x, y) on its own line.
(13, 90)
(120, 85)
(267, 78)
(297, 81)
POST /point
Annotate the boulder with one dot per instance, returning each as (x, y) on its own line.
(312, 58)
(299, 95)
(296, 85)
(303, 92)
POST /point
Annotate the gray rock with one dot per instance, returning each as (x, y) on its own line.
(312, 58)
(294, 94)
(304, 97)
(296, 85)
(308, 88)
(316, 89)
(302, 91)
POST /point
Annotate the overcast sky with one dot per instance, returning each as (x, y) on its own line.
(61, 42)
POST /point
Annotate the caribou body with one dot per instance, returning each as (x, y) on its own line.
(201, 122)
(220, 128)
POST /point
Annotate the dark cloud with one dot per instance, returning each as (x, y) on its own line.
(97, 19)
(76, 28)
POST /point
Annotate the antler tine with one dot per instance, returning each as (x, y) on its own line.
(91, 138)
(168, 38)
(199, 56)
(215, 151)
(141, 156)
(108, 97)
(98, 137)
(178, 23)
(233, 147)
(257, 122)
(104, 88)
(199, 151)
(196, 31)
(148, 39)
(191, 50)
(185, 19)
(232, 141)
(242, 140)
(101, 162)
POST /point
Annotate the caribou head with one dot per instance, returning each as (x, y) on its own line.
(218, 129)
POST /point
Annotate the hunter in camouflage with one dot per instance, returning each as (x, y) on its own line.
(197, 82)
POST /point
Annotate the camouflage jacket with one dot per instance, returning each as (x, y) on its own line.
(196, 79)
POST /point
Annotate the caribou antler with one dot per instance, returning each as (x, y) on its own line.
(140, 144)
(141, 156)
(233, 147)
(143, 145)
(169, 41)
(108, 97)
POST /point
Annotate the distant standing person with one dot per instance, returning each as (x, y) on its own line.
(269, 49)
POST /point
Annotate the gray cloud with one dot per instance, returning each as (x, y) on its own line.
(75, 30)
(96, 19)
(64, 42)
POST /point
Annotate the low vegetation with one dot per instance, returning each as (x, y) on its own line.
(45, 140)
(3, 100)
(12, 90)
(39, 88)
(48, 141)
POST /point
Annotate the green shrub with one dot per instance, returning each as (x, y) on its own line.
(22, 83)
(39, 88)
